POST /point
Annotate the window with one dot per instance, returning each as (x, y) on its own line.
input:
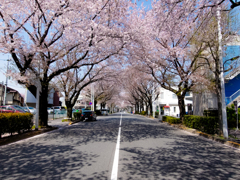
(8, 108)
(187, 94)
(174, 96)
(174, 109)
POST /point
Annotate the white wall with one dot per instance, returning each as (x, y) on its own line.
(168, 98)
(29, 98)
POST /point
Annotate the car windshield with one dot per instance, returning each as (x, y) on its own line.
(18, 108)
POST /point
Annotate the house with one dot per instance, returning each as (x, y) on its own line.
(167, 102)
(53, 98)
(13, 97)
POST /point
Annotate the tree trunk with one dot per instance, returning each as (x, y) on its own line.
(181, 105)
(69, 109)
(150, 106)
(95, 105)
(43, 114)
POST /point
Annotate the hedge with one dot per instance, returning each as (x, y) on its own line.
(205, 124)
(171, 120)
(15, 122)
(210, 112)
(232, 117)
(98, 112)
(143, 112)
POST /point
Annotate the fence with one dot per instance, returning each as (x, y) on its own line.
(57, 114)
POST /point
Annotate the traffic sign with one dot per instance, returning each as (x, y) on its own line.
(90, 103)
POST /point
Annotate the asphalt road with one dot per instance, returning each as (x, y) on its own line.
(148, 150)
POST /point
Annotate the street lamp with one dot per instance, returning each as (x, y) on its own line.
(224, 116)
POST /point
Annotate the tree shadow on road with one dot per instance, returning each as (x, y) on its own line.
(174, 155)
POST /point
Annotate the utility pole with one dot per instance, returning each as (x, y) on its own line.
(93, 99)
(224, 116)
(2, 93)
(5, 92)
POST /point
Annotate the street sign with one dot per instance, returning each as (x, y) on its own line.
(90, 103)
(235, 105)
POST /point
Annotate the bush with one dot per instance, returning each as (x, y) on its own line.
(98, 112)
(15, 122)
(210, 113)
(143, 112)
(205, 124)
(77, 115)
(232, 117)
(171, 120)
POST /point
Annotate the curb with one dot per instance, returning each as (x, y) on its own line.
(194, 131)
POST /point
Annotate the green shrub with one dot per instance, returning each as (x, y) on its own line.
(171, 120)
(232, 117)
(98, 112)
(210, 113)
(143, 112)
(3, 124)
(77, 115)
(15, 122)
(205, 124)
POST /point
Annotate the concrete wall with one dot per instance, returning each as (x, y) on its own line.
(203, 101)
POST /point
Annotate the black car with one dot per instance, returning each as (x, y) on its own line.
(89, 116)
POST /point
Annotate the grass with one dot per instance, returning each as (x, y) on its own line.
(33, 127)
(234, 137)
(66, 120)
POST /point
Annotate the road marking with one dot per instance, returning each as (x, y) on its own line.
(121, 120)
(116, 156)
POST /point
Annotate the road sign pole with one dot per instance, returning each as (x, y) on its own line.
(236, 111)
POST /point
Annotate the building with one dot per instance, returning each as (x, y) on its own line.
(53, 98)
(167, 102)
(13, 97)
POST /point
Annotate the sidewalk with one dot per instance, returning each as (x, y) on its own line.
(233, 142)
(233, 135)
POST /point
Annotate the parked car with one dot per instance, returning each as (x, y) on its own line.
(58, 109)
(11, 109)
(88, 115)
(30, 109)
(50, 110)
(20, 107)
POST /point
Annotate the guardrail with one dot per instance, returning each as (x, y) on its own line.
(228, 100)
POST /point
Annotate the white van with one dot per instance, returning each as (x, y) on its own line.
(104, 112)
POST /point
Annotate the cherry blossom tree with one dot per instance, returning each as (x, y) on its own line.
(162, 45)
(72, 82)
(142, 89)
(40, 34)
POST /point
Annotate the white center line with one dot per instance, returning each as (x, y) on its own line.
(116, 156)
